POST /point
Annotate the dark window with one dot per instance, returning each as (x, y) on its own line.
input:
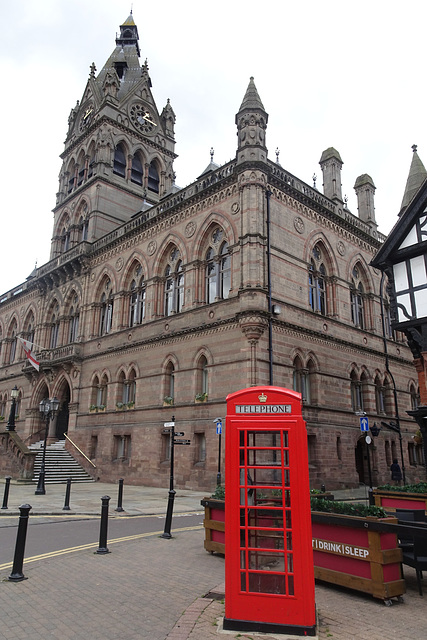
(153, 178)
(136, 172)
(119, 166)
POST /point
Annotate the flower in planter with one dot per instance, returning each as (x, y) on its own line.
(130, 404)
(93, 407)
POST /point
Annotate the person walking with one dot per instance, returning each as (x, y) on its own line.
(396, 473)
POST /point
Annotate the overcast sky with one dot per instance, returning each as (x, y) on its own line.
(345, 74)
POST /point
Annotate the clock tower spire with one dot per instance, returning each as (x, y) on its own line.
(119, 150)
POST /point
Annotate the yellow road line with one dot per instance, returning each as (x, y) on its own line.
(84, 547)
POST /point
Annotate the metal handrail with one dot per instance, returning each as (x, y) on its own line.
(80, 451)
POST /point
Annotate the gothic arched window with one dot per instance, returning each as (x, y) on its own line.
(73, 326)
(13, 345)
(54, 328)
(317, 282)
(106, 311)
(174, 284)
(153, 178)
(170, 381)
(84, 228)
(218, 268)
(202, 376)
(357, 299)
(119, 164)
(356, 392)
(137, 171)
(137, 298)
(301, 380)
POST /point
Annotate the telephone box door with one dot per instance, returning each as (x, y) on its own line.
(269, 575)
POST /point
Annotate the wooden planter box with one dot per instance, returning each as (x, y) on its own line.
(355, 553)
(347, 551)
(214, 524)
(392, 500)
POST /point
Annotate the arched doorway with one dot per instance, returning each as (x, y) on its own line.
(63, 413)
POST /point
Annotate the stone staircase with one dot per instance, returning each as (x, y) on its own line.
(59, 464)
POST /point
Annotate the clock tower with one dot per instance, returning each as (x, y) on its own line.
(119, 149)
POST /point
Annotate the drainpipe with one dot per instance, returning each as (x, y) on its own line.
(270, 306)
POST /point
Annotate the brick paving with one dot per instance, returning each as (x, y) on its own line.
(153, 589)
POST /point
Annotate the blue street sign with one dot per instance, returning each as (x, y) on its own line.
(364, 424)
(218, 427)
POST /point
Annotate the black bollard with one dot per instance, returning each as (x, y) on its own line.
(104, 526)
(120, 496)
(6, 492)
(18, 558)
(66, 506)
(168, 523)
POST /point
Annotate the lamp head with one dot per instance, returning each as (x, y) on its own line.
(14, 392)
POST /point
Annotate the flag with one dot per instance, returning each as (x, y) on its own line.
(27, 346)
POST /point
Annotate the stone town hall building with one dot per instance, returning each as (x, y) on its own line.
(159, 301)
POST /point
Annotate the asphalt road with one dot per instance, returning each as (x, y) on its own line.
(49, 534)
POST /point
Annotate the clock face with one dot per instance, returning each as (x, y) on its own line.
(86, 118)
(142, 118)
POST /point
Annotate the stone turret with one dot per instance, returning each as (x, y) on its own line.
(365, 192)
(331, 165)
(251, 121)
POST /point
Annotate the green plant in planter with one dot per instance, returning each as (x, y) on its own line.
(119, 405)
(219, 493)
(346, 509)
(201, 397)
(93, 407)
(1, 418)
(168, 400)
(130, 404)
(101, 407)
(420, 487)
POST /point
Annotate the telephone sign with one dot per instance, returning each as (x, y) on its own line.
(269, 573)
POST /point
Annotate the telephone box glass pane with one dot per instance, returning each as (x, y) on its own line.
(266, 560)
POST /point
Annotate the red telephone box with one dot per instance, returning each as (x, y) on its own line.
(269, 574)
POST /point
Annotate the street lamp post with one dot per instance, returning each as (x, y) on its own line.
(11, 421)
(48, 408)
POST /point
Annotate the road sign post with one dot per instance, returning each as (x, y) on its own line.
(218, 423)
(168, 522)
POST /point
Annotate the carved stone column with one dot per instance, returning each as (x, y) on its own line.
(253, 326)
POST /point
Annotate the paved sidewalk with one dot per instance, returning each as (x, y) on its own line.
(85, 499)
(157, 589)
